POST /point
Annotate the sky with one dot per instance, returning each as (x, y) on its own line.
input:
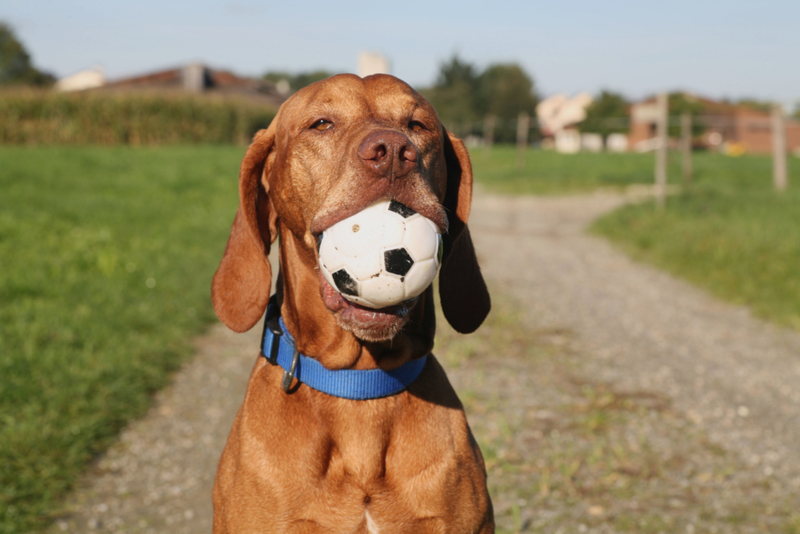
(719, 49)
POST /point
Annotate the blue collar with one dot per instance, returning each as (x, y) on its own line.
(278, 347)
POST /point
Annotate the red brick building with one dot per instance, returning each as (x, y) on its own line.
(727, 127)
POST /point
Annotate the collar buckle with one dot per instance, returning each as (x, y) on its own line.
(288, 376)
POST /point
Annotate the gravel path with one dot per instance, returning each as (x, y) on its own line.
(642, 329)
(643, 405)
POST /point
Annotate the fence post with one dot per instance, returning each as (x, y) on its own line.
(686, 149)
(488, 134)
(779, 174)
(523, 125)
(661, 151)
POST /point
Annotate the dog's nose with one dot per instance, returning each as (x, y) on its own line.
(388, 154)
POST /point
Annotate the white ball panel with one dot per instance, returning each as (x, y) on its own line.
(371, 228)
(356, 235)
(420, 277)
(366, 265)
(328, 254)
(421, 239)
(383, 290)
(393, 232)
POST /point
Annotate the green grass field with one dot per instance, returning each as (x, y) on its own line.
(731, 234)
(107, 256)
(547, 172)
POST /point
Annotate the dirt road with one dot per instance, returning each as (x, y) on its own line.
(608, 397)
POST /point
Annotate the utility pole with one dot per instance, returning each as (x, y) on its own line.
(686, 149)
(779, 171)
(661, 151)
(523, 126)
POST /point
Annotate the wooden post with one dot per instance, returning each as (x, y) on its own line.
(523, 126)
(488, 134)
(686, 149)
(779, 171)
(661, 151)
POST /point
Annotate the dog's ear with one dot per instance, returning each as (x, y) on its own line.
(241, 285)
(464, 297)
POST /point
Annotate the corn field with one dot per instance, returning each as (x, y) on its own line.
(29, 117)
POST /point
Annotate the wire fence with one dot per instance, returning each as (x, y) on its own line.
(718, 122)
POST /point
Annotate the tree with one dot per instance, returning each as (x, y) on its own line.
(456, 73)
(453, 95)
(463, 97)
(758, 105)
(15, 62)
(505, 90)
(607, 114)
(680, 103)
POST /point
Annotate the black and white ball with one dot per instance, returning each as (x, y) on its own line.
(381, 256)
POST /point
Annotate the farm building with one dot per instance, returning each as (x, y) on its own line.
(732, 128)
(194, 78)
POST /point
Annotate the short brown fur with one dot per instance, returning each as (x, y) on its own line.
(304, 461)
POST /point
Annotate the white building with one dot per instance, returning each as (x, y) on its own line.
(373, 63)
(85, 79)
(558, 112)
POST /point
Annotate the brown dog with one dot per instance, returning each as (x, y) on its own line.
(305, 461)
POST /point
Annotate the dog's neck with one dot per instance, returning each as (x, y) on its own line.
(315, 328)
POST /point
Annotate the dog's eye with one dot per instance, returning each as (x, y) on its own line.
(416, 126)
(321, 124)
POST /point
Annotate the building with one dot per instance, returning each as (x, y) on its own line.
(559, 112)
(558, 116)
(193, 78)
(373, 63)
(80, 81)
(731, 128)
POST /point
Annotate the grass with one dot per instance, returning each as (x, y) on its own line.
(548, 172)
(731, 234)
(107, 256)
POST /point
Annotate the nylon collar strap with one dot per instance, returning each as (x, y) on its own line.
(278, 347)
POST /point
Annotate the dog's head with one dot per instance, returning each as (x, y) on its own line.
(333, 149)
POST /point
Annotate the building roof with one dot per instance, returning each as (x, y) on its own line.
(199, 78)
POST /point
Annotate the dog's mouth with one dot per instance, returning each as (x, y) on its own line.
(365, 323)
(429, 209)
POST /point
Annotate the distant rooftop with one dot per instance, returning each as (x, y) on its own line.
(194, 78)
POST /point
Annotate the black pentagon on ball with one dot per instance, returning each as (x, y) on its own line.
(398, 261)
(345, 283)
(401, 209)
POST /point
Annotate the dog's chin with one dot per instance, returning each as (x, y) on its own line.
(365, 323)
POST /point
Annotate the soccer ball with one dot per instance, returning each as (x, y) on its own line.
(381, 256)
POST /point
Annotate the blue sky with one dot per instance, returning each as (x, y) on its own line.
(714, 48)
